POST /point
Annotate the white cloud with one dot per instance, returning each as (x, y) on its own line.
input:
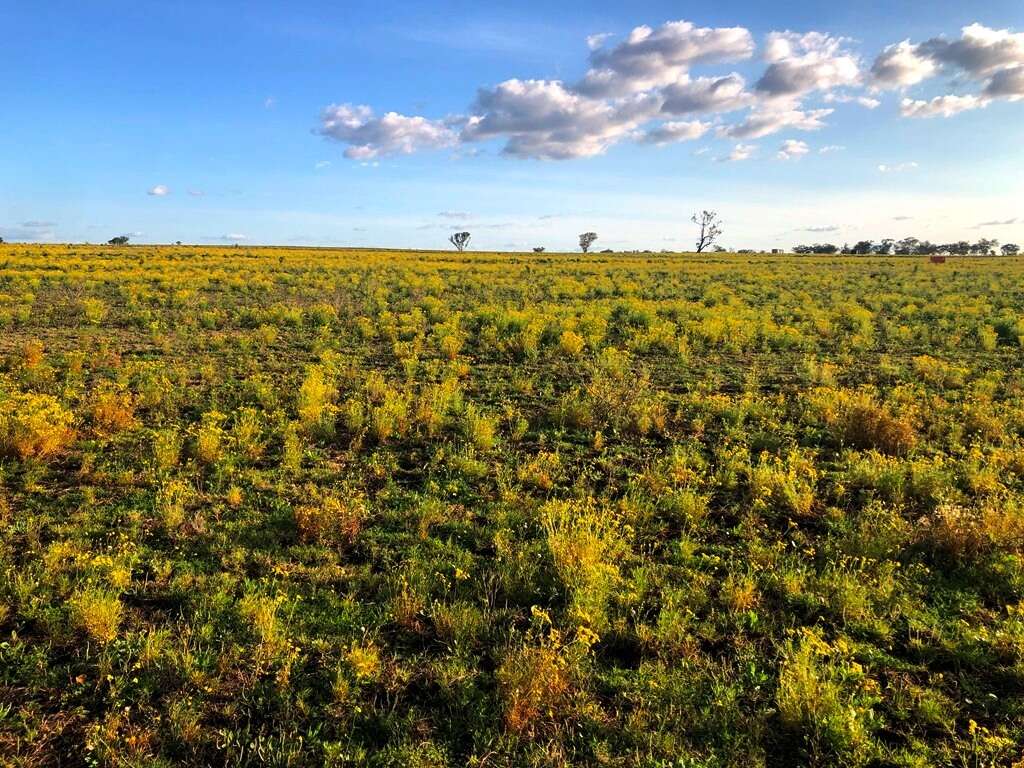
(828, 149)
(980, 51)
(706, 95)
(652, 58)
(543, 119)
(801, 64)
(820, 230)
(944, 106)
(901, 65)
(597, 40)
(160, 190)
(370, 137)
(761, 123)
(792, 149)
(632, 86)
(456, 215)
(269, 103)
(898, 168)
(739, 153)
(321, 164)
(868, 102)
(234, 237)
(674, 131)
(993, 58)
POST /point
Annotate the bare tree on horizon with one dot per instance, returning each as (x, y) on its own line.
(710, 229)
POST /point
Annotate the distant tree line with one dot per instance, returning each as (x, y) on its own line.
(911, 246)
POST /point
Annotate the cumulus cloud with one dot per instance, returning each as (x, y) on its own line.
(944, 106)
(160, 190)
(1006, 84)
(993, 58)
(642, 89)
(652, 58)
(980, 51)
(706, 95)
(597, 40)
(368, 136)
(674, 131)
(801, 64)
(868, 102)
(761, 123)
(739, 153)
(543, 119)
(792, 149)
(901, 65)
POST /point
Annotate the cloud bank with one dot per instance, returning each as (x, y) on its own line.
(643, 89)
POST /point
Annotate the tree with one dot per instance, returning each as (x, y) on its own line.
(460, 240)
(586, 240)
(984, 247)
(1010, 249)
(863, 248)
(119, 240)
(710, 228)
(886, 247)
(1, 240)
(539, 249)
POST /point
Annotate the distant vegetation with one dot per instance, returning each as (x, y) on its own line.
(332, 507)
(911, 246)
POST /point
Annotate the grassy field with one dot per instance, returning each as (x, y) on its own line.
(319, 507)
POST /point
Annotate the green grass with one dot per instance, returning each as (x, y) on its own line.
(321, 507)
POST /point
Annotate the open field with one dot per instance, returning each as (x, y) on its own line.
(312, 507)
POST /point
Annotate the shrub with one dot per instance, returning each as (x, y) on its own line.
(248, 433)
(33, 425)
(571, 344)
(210, 437)
(316, 403)
(533, 684)
(94, 310)
(97, 612)
(479, 429)
(960, 535)
(112, 411)
(587, 544)
(166, 449)
(329, 519)
(815, 701)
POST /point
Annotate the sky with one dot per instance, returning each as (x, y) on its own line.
(393, 124)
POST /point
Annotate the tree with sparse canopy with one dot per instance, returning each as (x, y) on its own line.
(460, 240)
(1011, 249)
(586, 240)
(119, 240)
(710, 229)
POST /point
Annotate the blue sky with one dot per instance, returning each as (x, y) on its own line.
(262, 122)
